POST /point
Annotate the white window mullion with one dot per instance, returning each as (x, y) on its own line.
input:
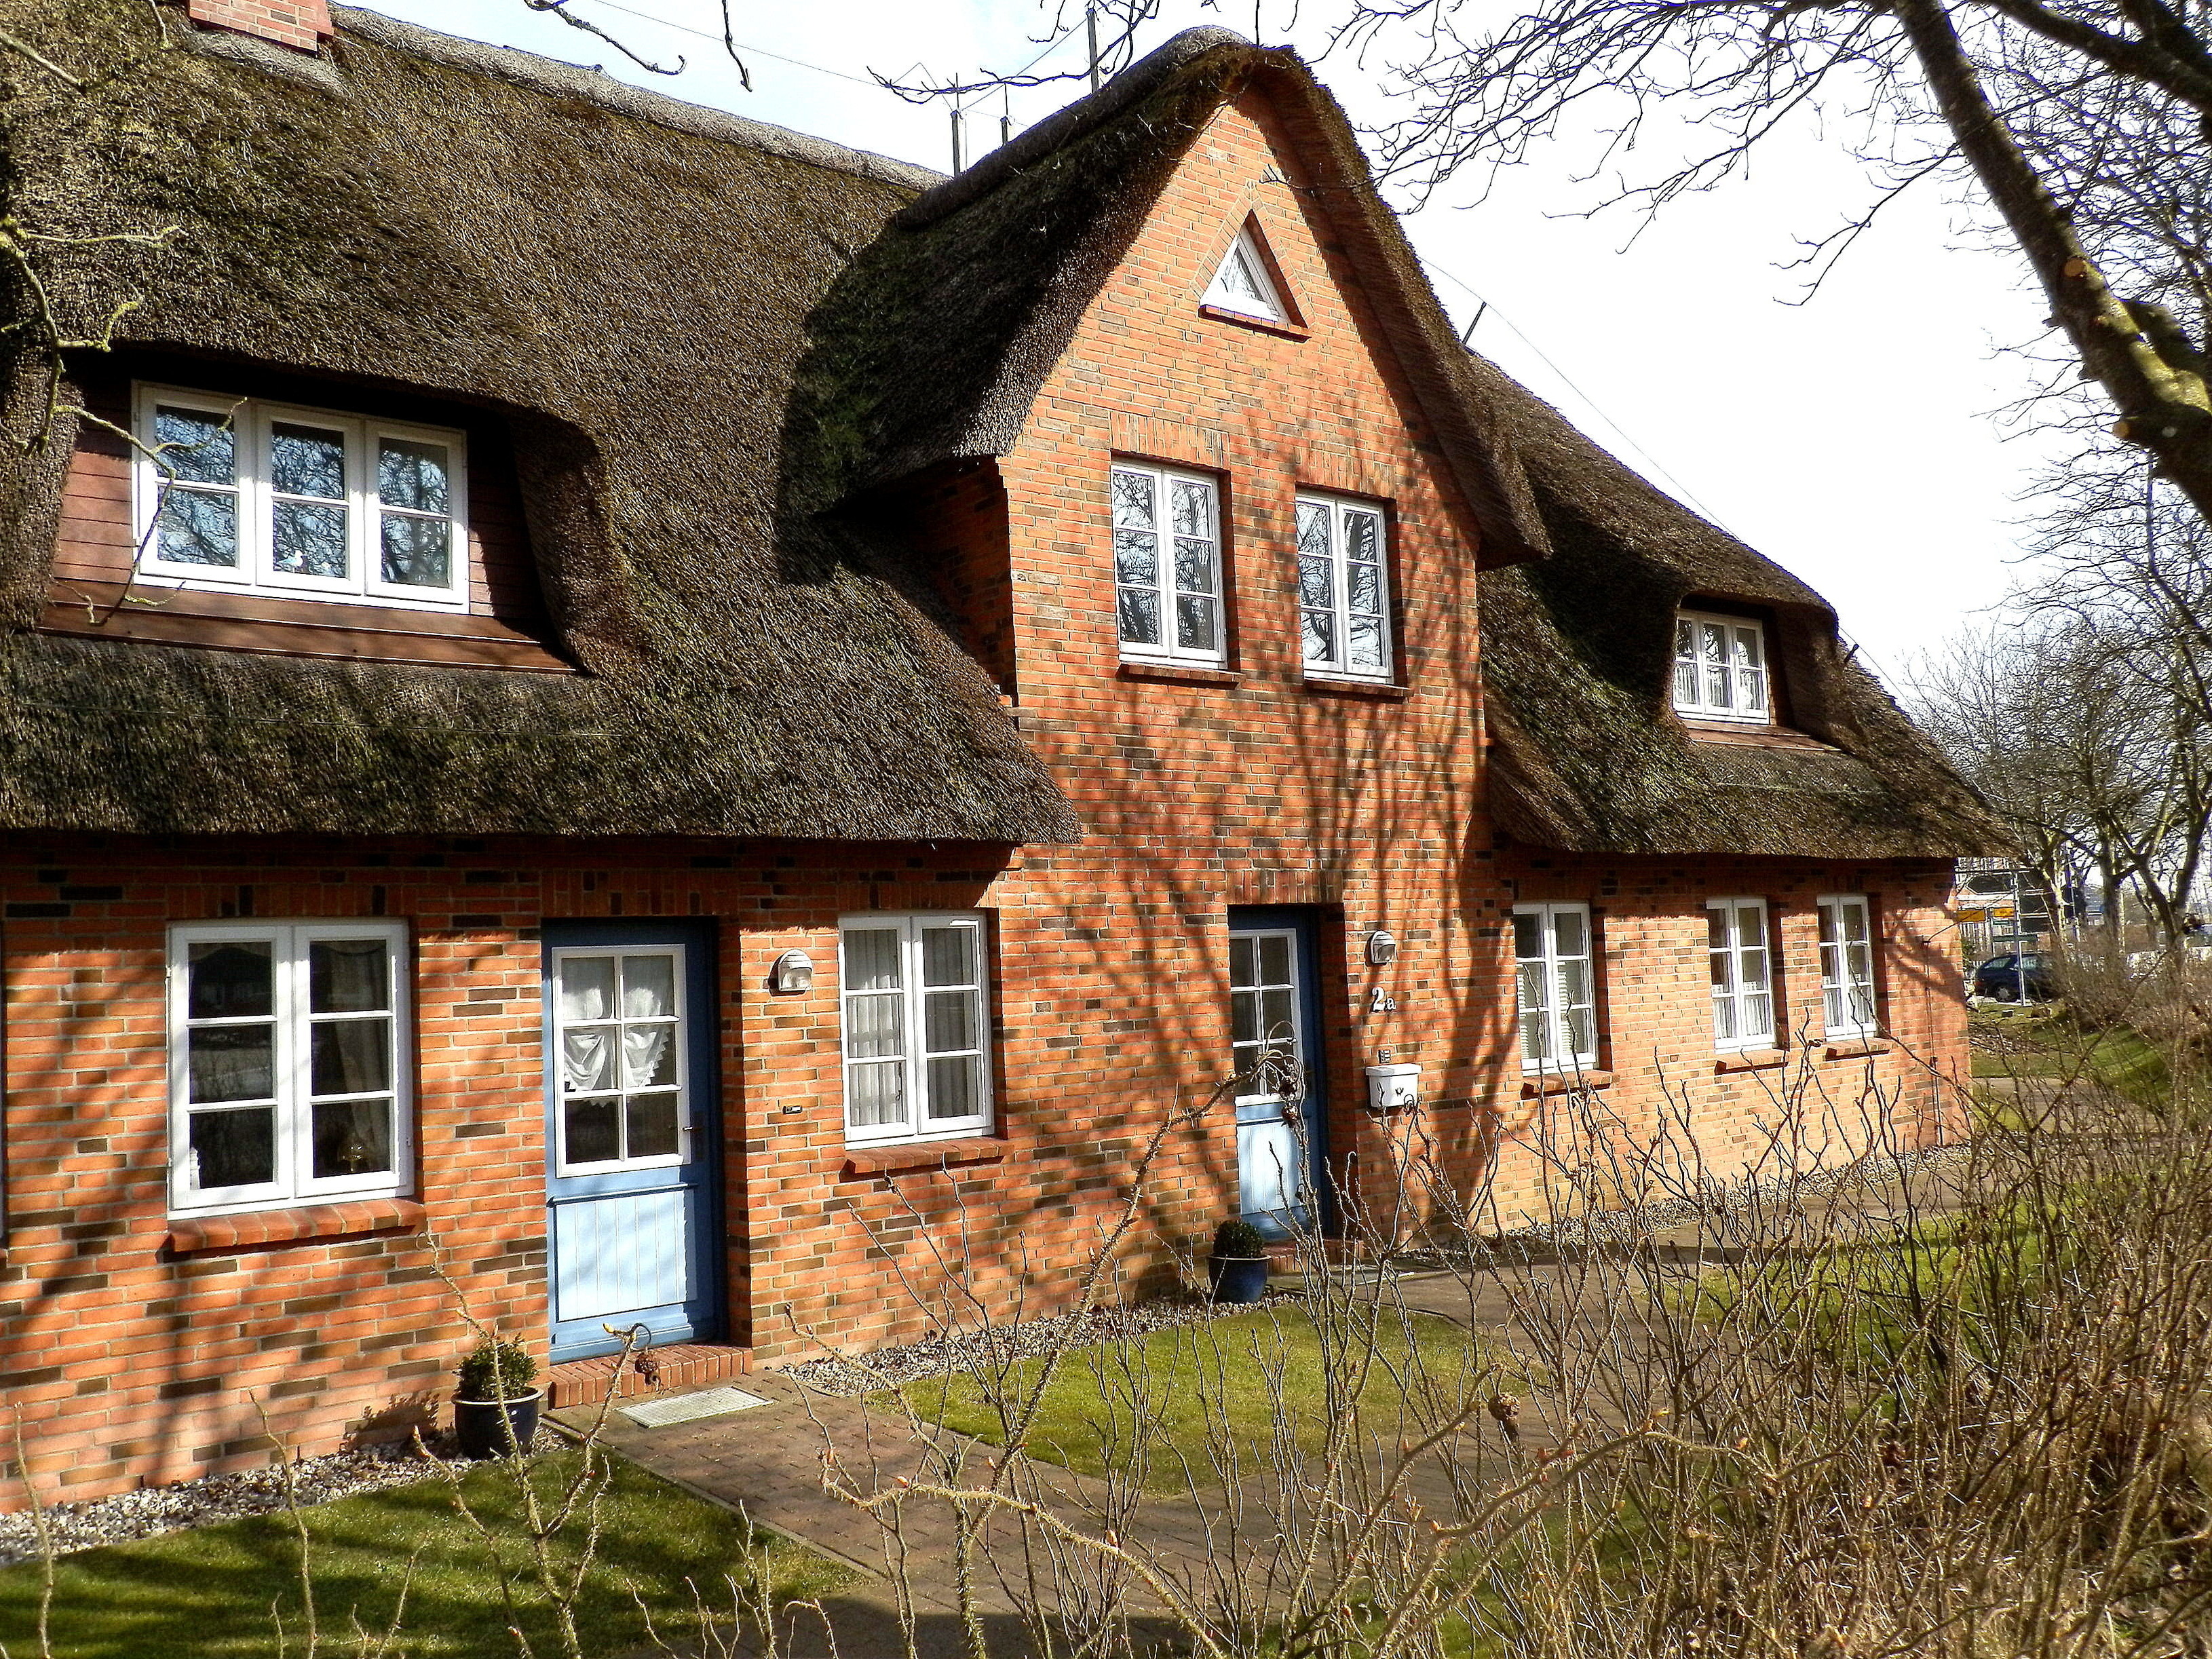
(1741, 951)
(928, 1109)
(1721, 670)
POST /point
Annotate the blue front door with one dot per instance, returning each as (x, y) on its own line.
(1274, 1005)
(632, 1141)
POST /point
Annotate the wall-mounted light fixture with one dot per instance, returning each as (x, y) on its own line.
(793, 971)
(1382, 948)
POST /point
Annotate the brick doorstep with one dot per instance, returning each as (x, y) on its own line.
(683, 1365)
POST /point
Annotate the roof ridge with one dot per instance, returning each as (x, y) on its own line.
(542, 74)
(1067, 125)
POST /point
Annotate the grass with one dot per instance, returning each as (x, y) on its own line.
(207, 1593)
(1256, 1384)
(2121, 1060)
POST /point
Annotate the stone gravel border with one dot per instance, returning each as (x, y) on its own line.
(154, 1510)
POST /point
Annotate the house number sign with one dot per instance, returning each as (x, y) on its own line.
(1379, 1004)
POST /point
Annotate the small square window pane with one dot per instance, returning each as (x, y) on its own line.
(1192, 512)
(1243, 1017)
(1365, 597)
(412, 475)
(1724, 1020)
(308, 540)
(1686, 639)
(348, 976)
(1363, 538)
(948, 956)
(1366, 639)
(1716, 928)
(652, 1126)
(1275, 959)
(872, 959)
(1532, 985)
(587, 1060)
(875, 1026)
(1194, 565)
(307, 460)
(1132, 500)
(1137, 558)
(1316, 582)
(1320, 633)
(196, 445)
(1527, 936)
(233, 1149)
(1751, 924)
(1713, 642)
(1685, 684)
(1758, 1013)
(586, 988)
(1243, 960)
(1535, 1029)
(350, 1056)
(948, 1022)
(196, 527)
(1568, 927)
(648, 1056)
(592, 1130)
(1139, 610)
(1748, 647)
(416, 552)
(648, 986)
(1828, 924)
(1194, 629)
(875, 1094)
(1717, 694)
(231, 980)
(955, 1087)
(231, 1062)
(1582, 1031)
(1574, 984)
(1313, 529)
(352, 1137)
(1277, 1024)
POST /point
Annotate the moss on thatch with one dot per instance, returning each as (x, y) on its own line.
(626, 280)
(1585, 752)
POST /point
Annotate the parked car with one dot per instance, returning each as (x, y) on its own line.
(2015, 977)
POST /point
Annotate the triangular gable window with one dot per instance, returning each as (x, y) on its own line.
(1244, 285)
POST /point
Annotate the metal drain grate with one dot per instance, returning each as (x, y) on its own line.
(689, 1407)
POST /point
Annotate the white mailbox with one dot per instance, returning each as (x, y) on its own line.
(1394, 1088)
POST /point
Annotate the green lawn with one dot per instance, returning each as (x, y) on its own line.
(2122, 1060)
(1216, 1385)
(206, 1594)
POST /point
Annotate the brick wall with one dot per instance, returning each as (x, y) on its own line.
(302, 23)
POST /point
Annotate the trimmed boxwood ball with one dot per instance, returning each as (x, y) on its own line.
(1236, 1238)
(497, 1370)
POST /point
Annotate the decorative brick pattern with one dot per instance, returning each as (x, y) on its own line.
(302, 23)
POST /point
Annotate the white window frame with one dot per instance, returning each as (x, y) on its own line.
(1340, 510)
(915, 1060)
(1840, 990)
(1732, 989)
(679, 1024)
(1560, 1055)
(1266, 304)
(250, 420)
(1166, 588)
(1738, 684)
(292, 1019)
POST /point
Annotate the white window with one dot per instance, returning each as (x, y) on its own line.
(247, 496)
(1743, 976)
(1343, 595)
(1846, 966)
(287, 1063)
(1243, 283)
(1720, 668)
(1558, 1012)
(915, 1019)
(1167, 565)
(617, 1025)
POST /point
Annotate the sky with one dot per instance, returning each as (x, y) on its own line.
(1855, 437)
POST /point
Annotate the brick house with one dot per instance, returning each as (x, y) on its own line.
(701, 729)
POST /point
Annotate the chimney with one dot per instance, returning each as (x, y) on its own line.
(301, 23)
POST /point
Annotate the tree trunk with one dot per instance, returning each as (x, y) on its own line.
(2163, 405)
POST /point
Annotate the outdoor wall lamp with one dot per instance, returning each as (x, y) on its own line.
(1382, 948)
(793, 971)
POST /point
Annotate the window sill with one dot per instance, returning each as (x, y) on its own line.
(368, 1215)
(1534, 1084)
(1262, 325)
(1137, 668)
(1855, 1047)
(1749, 1059)
(913, 1155)
(1346, 685)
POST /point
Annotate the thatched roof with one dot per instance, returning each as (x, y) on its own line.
(627, 280)
(1586, 753)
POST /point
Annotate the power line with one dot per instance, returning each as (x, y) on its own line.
(757, 51)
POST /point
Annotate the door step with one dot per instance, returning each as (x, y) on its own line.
(683, 1365)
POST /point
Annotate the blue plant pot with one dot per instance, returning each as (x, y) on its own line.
(1237, 1277)
(495, 1428)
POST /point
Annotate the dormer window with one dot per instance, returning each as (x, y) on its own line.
(1720, 668)
(1243, 285)
(244, 495)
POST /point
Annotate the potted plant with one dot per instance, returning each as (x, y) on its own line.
(495, 1412)
(1239, 1267)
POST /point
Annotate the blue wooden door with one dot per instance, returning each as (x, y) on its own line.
(1274, 1005)
(632, 1142)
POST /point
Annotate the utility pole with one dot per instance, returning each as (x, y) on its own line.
(959, 138)
(1090, 22)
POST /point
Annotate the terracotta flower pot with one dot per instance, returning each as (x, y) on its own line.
(497, 1428)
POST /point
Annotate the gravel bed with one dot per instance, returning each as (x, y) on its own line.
(954, 1351)
(156, 1510)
